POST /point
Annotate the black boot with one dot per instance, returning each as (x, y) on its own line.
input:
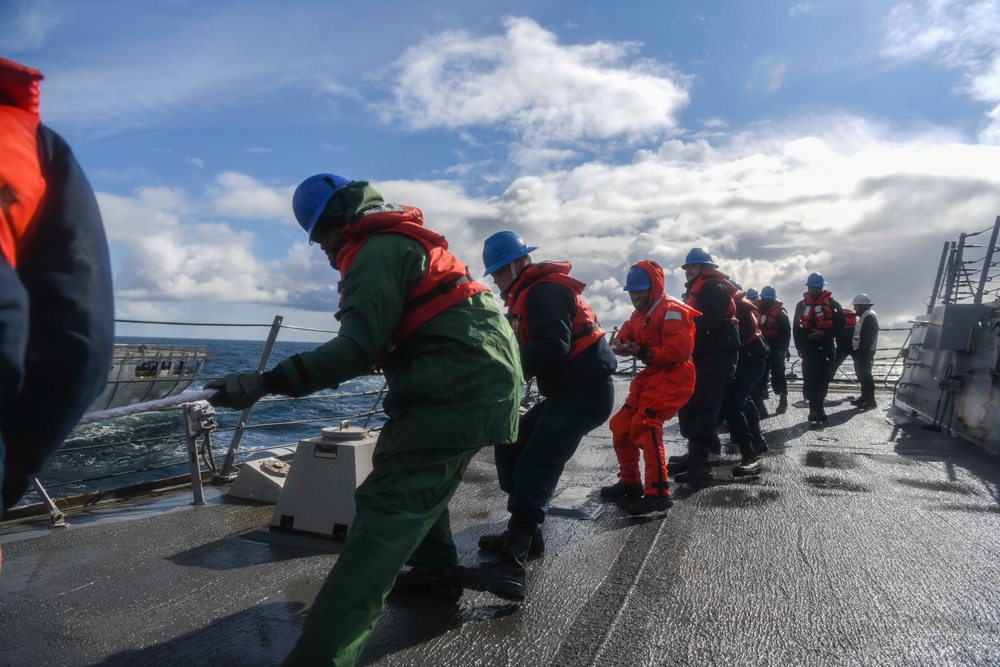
(651, 504)
(427, 584)
(814, 409)
(493, 544)
(699, 471)
(678, 464)
(750, 465)
(867, 401)
(504, 577)
(782, 404)
(622, 490)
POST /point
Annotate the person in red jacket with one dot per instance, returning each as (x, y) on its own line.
(56, 305)
(660, 334)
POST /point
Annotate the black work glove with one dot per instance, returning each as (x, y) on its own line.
(238, 390)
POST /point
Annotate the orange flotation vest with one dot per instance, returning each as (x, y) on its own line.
(446, 283)
(769, 321)
(850, 319)
(713, 276)
(586, 330)
(22, 184)
(816, 313)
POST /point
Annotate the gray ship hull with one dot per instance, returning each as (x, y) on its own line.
(142, 373)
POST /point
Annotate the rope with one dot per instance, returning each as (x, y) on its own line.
(126, 410)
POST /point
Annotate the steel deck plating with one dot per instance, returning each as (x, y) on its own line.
(871, 541)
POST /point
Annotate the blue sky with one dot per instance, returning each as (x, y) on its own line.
(851, 138)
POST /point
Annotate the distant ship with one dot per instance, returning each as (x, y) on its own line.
(141, 372)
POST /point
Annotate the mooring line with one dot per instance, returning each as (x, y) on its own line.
(159, 404)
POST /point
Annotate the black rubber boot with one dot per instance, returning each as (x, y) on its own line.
(493, 544)
(750, 465)
(782, 404)
(651, 504)
(699, 471)
(504, 577)
(679, 462)
(622, 490)
(427, 584)
(867, 401)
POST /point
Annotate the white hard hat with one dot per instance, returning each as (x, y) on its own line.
(862, 300)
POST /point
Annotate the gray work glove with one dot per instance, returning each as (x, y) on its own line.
(238, 390)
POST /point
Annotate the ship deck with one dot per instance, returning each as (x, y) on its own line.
(872, 541)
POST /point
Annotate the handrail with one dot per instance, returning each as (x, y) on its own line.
(159, 442)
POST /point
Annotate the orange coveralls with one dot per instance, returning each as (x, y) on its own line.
(665, 332)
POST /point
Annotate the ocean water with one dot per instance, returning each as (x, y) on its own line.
(152, 445)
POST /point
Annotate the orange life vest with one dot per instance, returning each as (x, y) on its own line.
(586, 330)
(748, 316)
(850, 319)
(22, 184)
(816, 313)
(713, 276)
(769, 321)
(446, 283)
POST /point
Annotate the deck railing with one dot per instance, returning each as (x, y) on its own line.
(125, 464)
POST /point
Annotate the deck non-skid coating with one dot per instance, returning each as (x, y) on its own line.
(871, 541)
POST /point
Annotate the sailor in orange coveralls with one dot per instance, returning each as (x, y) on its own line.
(660, 334)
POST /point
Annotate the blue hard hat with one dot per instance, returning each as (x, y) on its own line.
(699, 256)
(815, 280)
(752, 294)
(735, 284)
(768, 293)
(503, 248)
(312, 196)
(637, 280)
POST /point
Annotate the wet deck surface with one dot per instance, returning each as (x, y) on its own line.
(870, 542)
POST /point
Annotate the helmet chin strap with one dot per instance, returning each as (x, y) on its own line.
(514, 273)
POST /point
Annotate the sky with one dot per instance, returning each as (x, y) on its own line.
(850, 137)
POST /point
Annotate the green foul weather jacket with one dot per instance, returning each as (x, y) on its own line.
(454, 383)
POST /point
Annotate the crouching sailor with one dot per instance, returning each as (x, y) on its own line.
(660, 334)
(563, 348)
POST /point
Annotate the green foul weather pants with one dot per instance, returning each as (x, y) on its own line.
(402, 518)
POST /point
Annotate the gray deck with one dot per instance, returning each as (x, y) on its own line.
(869, 542)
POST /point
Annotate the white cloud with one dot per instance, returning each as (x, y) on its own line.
(801, 8)
(868, 213)
(772, 208)
(958, 34)
(197, 162)
(540, 89)
(169, 254)
(244, 197)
